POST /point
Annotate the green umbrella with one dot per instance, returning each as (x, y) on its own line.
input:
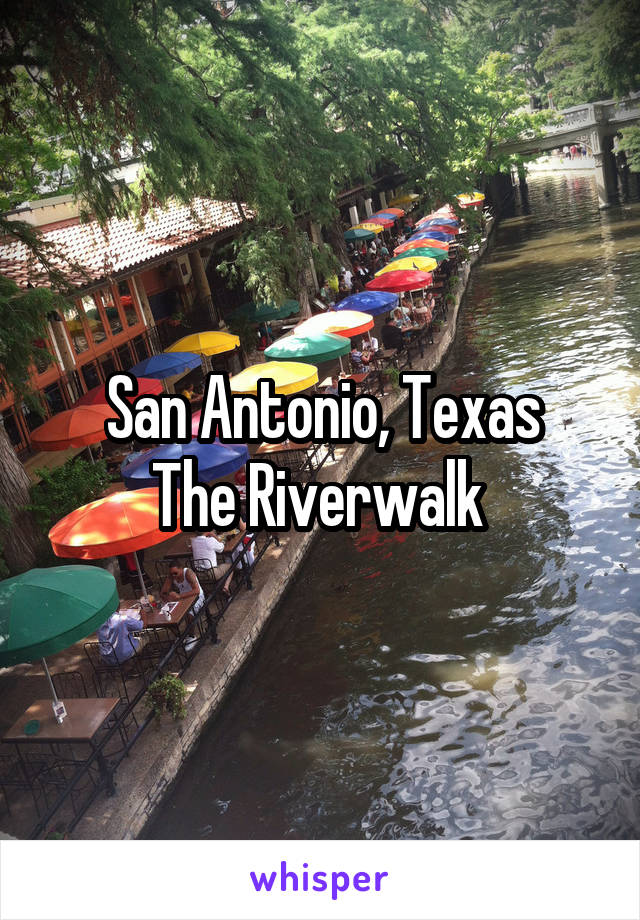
(259, 312)
(44, 611)
(315, 347)
(425, 252)
(357, 233)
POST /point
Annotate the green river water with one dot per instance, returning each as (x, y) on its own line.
(480, 685)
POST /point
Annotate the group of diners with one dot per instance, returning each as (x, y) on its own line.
(122, 635)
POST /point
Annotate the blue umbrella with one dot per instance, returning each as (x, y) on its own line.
(214, 461)
(371, 302)
(438, 222)
(433, 235)
(166, 365)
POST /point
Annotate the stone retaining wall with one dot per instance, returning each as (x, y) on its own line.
(144, 777)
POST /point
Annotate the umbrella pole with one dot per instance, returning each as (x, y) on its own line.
(90, 453)
(48, 676)
(142, 584)
(58, 707)
(341, 367)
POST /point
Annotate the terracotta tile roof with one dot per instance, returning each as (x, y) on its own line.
(122, 245)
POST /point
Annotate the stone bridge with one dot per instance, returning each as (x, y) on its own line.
(594, 124)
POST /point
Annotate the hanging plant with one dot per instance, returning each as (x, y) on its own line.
(167, 694)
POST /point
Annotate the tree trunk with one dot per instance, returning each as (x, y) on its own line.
(337, 243)
(303, 296)
(21, 537)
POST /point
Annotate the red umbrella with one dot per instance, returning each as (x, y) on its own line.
(146, 386)
(396, 282)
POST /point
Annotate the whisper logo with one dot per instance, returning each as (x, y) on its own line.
(335, 882)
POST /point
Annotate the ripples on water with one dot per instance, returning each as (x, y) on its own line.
(470, 685)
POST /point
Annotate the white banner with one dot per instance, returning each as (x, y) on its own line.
(439, 880)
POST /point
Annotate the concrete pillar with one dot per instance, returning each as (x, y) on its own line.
(605, 169)
(202, 286)
(383, 201)
(62, 345)
(368, 208)
(143, 300)
(353, 216)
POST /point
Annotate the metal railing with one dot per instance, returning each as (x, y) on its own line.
(206, 621)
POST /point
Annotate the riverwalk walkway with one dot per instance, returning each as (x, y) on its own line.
(144, 777)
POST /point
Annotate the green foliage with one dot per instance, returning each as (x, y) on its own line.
(498, 114)
(393, 376)
(167, 694)
(23, 332)
(520, 30)
(631, 145)
(246, 330)
(597, 55)
(65, 488)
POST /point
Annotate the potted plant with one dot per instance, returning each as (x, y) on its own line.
(167, 694)
(391, 377)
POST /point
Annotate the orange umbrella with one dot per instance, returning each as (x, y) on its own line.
(77, 427)
(421, 244)
(123, 522)
(397, 211)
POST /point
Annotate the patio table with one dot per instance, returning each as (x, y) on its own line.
(85, 718)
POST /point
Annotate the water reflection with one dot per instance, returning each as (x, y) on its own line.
(470, 685)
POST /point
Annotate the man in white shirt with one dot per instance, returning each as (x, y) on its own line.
(348, 276)
(204, 548)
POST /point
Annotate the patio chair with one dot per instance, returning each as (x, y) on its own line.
(20, 775)
(70, 685)
(111, 678)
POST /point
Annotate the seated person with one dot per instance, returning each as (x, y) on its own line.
(204, 549)
(368, 353)
(422, 312)
(333, 389)
(400, 318)
(181, 583)
(391, 335)
(115, 645)
(240, 481)
(356, 357)
(187, 392)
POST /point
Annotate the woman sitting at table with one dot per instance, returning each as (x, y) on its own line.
(401, 317)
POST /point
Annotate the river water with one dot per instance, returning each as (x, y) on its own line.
(480, 685)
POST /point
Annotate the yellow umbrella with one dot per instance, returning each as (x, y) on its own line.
(206, 343)
(421, 263)
(404, 199)
(468, 201)
(288, 376)
(369, 225)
